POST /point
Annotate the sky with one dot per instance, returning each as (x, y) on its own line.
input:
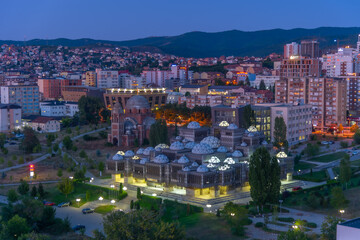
(132, 19)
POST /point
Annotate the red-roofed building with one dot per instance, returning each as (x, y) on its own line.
(45, 124)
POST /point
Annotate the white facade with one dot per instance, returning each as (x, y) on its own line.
(268, 80)
(27, 96)
(107, 79)
(291, 49)
(348, 230)
(157, 77)
(340, 63)
(58, 109)
(133, 82)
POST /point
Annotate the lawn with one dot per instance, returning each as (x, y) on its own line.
(80, 190)
(207, 226)
(313, 177)
(329, 157)
(104, 209)
(303, 166)
(355, 163)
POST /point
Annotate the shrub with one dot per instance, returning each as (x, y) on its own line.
(259, 224)
(89, 138)
(286, 219)
(310, 225)
(344, 144)
(122, 195)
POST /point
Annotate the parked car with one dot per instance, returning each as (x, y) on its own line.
(331, 142)
(63, 204)
(296, 189)
(87, 210)
(78, 227)
(324, 143)
(46, 203)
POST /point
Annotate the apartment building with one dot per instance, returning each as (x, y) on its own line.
(298, 66)
(10, 117)
(58, 109)
(340, 63)
(51, 87)
(90, 78)
(107, 79)
(27, 96)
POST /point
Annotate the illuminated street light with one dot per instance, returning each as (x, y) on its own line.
(208, 205)
(112, 201)
(101, 198)
(78, 201)
(142, 192)
(342, 211)
(232, 214)
(154, 194)
(295, 227)
(71, 177)
(124, 188)
(112, 185)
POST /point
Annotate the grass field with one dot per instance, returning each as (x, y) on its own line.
(303, 166)
(329, 157)
(207, 226)
(104, 209)
(313, 177)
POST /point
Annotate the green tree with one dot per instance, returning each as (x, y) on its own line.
(138, 193)
(59, 172)
(268, 63)
(49, 139)
(312, 149)
(16, 226)
(2, 139)
(89, 109)
(345, 171)
(23, 188)
(328, 227)
(66, 186)
(41, 191)
(357, 136)
(82, 154)
(121, 188)
(248, 116)
(12, 195)
(68, 143)
(132, 204)
(293, 235)
(264, 177)
(280, 132)
(262, 85)
(159, 133)
(30, 140)
(33, 192)
(338, 200)
(56, 147)
(101, 166)
(88, 195)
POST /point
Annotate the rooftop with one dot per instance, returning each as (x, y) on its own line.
(354, 223)
(192, 86)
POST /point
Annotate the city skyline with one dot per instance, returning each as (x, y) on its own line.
(129, 20)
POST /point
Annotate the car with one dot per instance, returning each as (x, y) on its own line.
(63, 204)
(296, 189)
(46, 203)
(78, 227)
(331, 142)
(87, 210)
(324, 143)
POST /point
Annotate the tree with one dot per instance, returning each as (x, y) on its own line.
(12, 195)
(33, 192)
(121, 188)
(132, 204)
(354, 128)
(82, 154)
(328, 227)
(89, 109)
(340, 128)
(138, 193)
(66, 186)
(357, 136)
(311, 149)
(30, 140)
(23, 188)
(88, 195)
(101, 166)
(49, 139)
(68, 143)
(345, 171)
(262, 85)
(268, 63)
(159, 133)
(264, 177)
(59, 172)
(293, 235)
(2, 139)
(248, 116)
(187, 94)
(16, 226)
(279, 132)
(338, 200)
(41, 191)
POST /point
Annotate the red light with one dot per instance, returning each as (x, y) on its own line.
(31, 166)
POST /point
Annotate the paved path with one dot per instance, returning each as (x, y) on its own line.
(29, 182)
(331, 173)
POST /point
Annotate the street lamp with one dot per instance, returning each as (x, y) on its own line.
(71, 177)
(78, 201)
(112, 201)
(101, 198)
(232, 214)
(342, 211)
(295, 227)
(208, 205)
(154, 194)
(124, 188)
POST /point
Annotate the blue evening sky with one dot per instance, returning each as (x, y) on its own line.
(130, 19)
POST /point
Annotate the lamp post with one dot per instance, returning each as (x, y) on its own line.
(101, 198)
(112, 186)
(78, 201)
(112, 201)
(342, 211)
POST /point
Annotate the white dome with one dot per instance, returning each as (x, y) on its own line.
(129, 153)
(224, 167)
(222, 149)
(211, 165)
(144, 160)
(140, 151)
(252, 129)
(213, 142)
(183, 159)
(281, 155)
(194, 164)
(148, 150)
(264, 142)
(177, 146)
(232, 126)
(224, 124)
(161, 159)
(229, 160)
(193, 125)
(120, 153)
(190, 145)
(214, 159)
(237, 153)
(186, 169)
(202, 168)
(202, 148)
(117, 157)
(162, 146)
(243, 144)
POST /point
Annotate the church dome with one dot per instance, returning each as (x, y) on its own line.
(138, 102)
(144, 160)
(222, 149)
(224, 124)
(229, 160)
(129, 153)
(161, 159)
(194, 164)
(190, 145)
(193, 125)
(148, 150)
(186, 169)
(161, 146)
(237, 153)
(140, 151)
(232, 126)
(243, 144)
(183, 159)
(213, 142)
(202, 168)
(214, 159)
(117, 157)
(202, 148)
(177, 146)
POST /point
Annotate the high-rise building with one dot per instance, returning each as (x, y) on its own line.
(90, 78)
(297, 66)
(310, 49)
(107, 79)
(340, 63)
(51, 87)
(158, 77)
(291, 49)
(27, 96)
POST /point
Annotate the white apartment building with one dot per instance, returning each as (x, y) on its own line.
(291, 49)
(268, 80)
(58, 109)
(107, 79)
(132, 82)
(158, 77)
(26, 96)
(340, 63)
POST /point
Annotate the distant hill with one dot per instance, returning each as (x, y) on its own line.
(237, 43)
